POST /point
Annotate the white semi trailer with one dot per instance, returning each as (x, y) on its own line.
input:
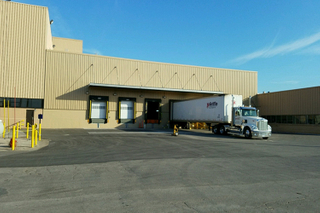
(1, 128)
(224, 113)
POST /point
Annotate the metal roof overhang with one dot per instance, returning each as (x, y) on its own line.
(152, 88)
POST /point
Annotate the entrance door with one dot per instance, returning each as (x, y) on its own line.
(30, 117)
(153, 111)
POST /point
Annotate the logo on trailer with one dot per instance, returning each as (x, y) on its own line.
(211, 105)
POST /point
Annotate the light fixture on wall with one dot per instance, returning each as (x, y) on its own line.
(141, 96)
(51, 21)
(114, 94)
(164, 97)
(87, 92)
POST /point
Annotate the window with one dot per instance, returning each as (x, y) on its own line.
(293, 119)
(311, 119)
(284, 119)
(289, 119)
(272, 119)
(300, 119)
(249, 112)
(22, 103)
(317, 119)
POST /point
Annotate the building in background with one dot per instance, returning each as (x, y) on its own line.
(293, 111)
(50, 76)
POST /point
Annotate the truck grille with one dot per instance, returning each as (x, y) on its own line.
(262, 125)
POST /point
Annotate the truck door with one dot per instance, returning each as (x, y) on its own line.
(237, 117)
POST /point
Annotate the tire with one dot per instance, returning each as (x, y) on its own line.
(265, 138)
(215, 130)
(247, 133)
(222, 130)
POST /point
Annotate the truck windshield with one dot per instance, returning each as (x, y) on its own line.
(249, 112)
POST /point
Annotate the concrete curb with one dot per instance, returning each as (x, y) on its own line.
(23, 144)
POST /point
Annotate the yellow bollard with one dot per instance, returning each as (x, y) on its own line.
(32, 137)
(27, 130)
(175, 130)
(36, 137)
(21, 123)
(39, 132)
(17, 130)
(13, 138)
(4, 118)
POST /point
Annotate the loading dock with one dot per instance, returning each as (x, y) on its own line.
(98, 111)
(127, 109)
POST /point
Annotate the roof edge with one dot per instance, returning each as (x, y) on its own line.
(153, 88)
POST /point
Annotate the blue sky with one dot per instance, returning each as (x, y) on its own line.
(278, 39)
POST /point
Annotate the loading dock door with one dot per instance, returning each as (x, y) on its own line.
(98, 110)
(127, 110)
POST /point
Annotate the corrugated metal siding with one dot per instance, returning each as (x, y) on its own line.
(22, 40)
(67, 45)
(68, 74)
(294, 102)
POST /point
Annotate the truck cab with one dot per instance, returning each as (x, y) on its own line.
(247, 122)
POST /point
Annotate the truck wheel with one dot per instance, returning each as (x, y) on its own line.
(265, 138)
(215, 129)
(222, 130)
(247, 133)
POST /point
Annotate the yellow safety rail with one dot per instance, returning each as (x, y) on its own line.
(4, 118)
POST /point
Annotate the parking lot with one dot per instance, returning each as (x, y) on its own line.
(137, 171)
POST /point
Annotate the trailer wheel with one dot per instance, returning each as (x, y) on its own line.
(222, 130)
(215, 129)
(247, 133)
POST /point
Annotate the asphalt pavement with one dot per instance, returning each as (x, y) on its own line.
(135, 171)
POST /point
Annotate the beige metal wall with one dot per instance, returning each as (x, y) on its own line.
(300, 102)
(24, 37)
(294, 102)
(17, 115)
(68, 75)
(67, 45)
(64, 118)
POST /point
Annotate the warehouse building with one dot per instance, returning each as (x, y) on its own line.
(293, 111)
(52, 77)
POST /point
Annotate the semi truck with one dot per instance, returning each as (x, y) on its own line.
(225, 114)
